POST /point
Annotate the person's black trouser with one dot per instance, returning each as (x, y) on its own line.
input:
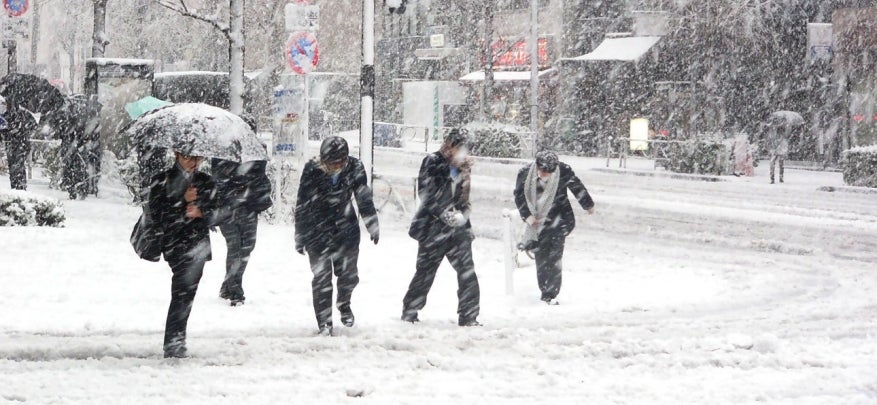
(184, 283)
(240, 239)
(458, 250)
(342, 260)
(549, 258)
(16, 157)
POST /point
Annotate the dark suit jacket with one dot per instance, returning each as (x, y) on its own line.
(324, 213)
(167, 208)
(560, 218)
(434, 185)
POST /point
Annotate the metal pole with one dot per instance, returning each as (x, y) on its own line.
(11, 58)
(508, 247)
(367, 89)
(534, 71)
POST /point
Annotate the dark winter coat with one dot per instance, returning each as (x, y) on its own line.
(242, 189)
(435, 190)
(560, 218)
(324, 214)
(20, 127)
(167, 209)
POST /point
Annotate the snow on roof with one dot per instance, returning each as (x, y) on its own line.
(121, 61)
(623, 49)
(864, 149)
(191, 73)
(502, 76)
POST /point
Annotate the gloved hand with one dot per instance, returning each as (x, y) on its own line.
(453, 218)
(375, 236)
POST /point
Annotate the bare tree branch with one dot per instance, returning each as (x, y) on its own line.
(180, 7)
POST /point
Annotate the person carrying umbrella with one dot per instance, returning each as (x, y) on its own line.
(20, 125)
(327, 227)
(180, 203)
(541, 198)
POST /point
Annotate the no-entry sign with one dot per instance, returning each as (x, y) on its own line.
(16, 8)
(302, 53)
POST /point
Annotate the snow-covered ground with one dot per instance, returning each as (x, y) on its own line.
(676, 291)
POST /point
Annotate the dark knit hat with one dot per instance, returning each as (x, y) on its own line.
(333, 149)
(547, 161)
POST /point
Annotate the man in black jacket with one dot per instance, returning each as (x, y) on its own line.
(20, 127)
(327, 227)
(541, 198)
(181, 201)
(245, 191)
(442, 229)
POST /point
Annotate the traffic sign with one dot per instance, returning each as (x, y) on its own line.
(302, 53)
(15, 8)
(302, 17)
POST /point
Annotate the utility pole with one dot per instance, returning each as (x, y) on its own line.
(98, 39)
(534, 72)
(487, 49)
(367, 89)
(35, 36)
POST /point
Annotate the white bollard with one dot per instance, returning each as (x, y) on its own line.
(509, 251)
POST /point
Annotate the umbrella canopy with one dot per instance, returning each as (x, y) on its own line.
(146, 104)
(200, 130)
(787, 118)
(31, 92)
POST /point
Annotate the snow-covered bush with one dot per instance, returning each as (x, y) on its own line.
(495, 140)
(698, 157)
(18, 208)
(52, 164)
(860, 166)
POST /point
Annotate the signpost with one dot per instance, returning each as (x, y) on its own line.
(302, 54)
(16, 8)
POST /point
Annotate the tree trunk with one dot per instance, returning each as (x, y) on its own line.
(236, 57)
(98, 40)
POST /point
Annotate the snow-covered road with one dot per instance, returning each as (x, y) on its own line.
(674, 292)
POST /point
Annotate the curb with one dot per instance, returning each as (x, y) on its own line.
(676, 176)
(848, 189)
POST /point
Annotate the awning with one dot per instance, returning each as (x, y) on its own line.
(621, 49)
(504, 76)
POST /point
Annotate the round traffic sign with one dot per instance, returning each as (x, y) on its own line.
(16, 8)
(302, 53)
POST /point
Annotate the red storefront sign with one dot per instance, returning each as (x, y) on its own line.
(517, 53)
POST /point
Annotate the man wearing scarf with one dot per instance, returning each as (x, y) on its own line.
(181, 205)
(442, 229)
(327, 227)
(541, 198)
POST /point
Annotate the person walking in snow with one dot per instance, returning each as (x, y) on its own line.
(541, 198)
(181, 205)
(245, 191)
(442, 229)
(327, 227)
(778, 147)
(20, 125)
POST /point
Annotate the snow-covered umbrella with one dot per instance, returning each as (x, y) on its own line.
(200, 130)
(786, 118)
(33, 93)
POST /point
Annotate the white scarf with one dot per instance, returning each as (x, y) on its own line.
(539, 205)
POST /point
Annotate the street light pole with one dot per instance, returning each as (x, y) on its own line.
(367, 89)
(534, 72)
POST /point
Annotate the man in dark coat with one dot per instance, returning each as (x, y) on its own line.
(68, 124)
(19, 128)
(541, 197)
(327, 227)
(442, 229)
(181, 205)
(244, 191)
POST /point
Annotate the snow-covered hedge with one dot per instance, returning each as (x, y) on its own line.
(698, 157)
(18, 208)
(860, 166)
(495, 140)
